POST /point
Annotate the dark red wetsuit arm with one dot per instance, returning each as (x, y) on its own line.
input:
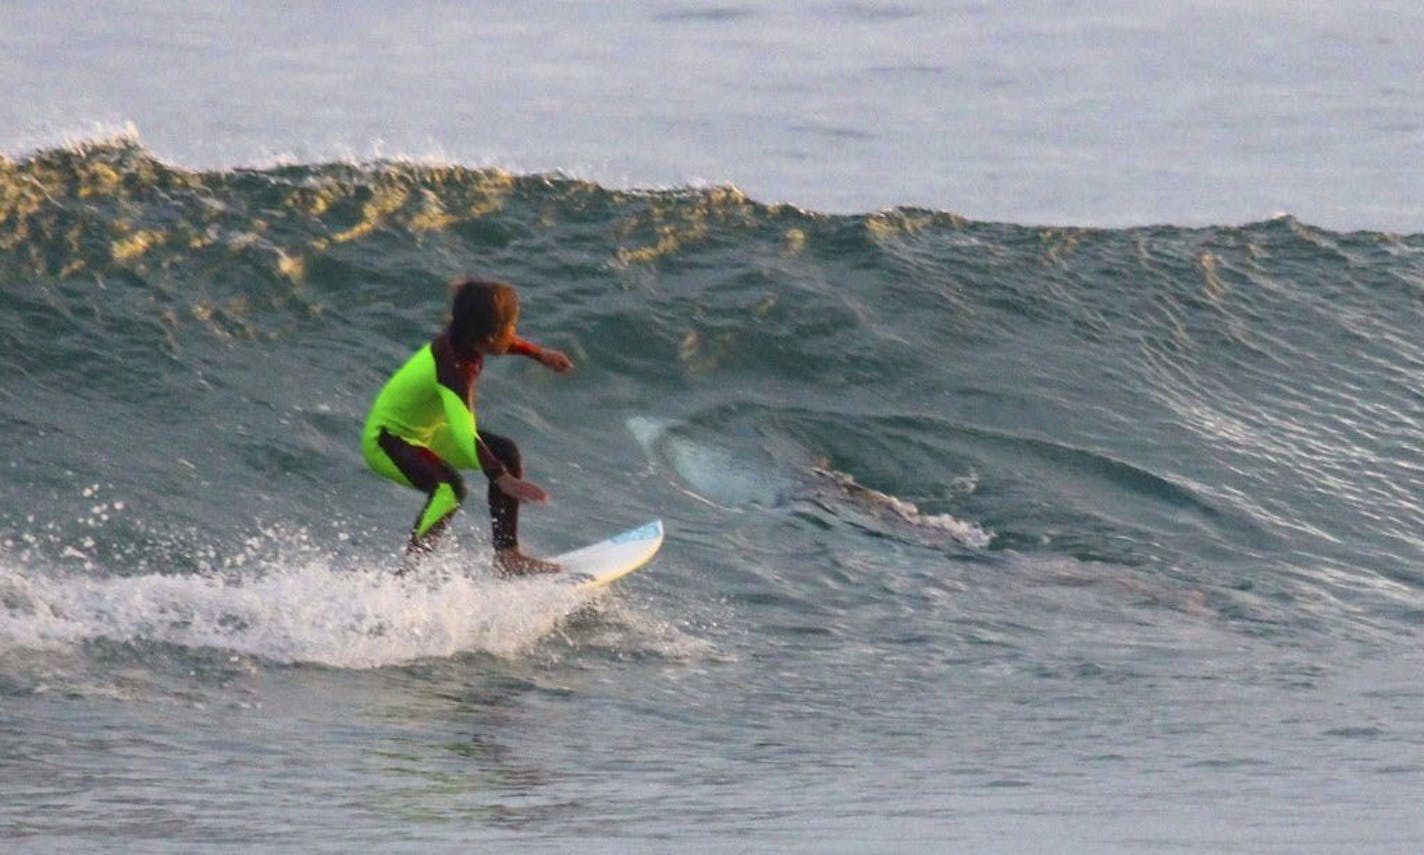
(525, 348)
(492, 464)
(461, 377)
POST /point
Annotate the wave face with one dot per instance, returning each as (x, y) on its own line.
(1229, 417)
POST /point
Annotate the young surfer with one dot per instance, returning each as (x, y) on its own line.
(422, 430)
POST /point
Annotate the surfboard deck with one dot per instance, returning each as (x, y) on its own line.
(598, 564)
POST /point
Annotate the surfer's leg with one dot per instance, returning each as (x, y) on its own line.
(504, 508)
(504, 514)
(440, 505)
(443, 487)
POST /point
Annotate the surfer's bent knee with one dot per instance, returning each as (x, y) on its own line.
(506, 450)
(414, 465)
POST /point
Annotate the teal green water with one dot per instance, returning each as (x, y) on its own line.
(965, 520)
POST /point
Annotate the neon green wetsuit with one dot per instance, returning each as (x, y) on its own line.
(422, 430)
(415, 406)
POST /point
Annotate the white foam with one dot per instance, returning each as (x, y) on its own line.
(966, 533)
(306, 611)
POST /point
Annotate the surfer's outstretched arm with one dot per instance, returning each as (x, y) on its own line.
(556, 360)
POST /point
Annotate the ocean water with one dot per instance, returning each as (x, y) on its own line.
(997, 521)
(1057, 112)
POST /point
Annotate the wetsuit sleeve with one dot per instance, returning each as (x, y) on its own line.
(525, 348)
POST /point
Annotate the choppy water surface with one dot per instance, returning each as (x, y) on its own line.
(982, 536)
(1109, 536)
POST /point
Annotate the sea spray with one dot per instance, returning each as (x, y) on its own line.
(304, 611)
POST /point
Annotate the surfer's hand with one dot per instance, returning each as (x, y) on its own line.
(557, 360)
(524, 491)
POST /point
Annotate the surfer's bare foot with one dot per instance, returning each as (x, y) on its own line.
(512, 562)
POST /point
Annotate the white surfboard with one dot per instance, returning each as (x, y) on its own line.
(597, 565)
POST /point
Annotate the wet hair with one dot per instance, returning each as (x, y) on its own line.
(478, 310)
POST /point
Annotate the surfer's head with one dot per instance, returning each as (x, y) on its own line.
(483, 316)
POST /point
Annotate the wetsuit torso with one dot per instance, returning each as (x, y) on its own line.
(430, 402)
